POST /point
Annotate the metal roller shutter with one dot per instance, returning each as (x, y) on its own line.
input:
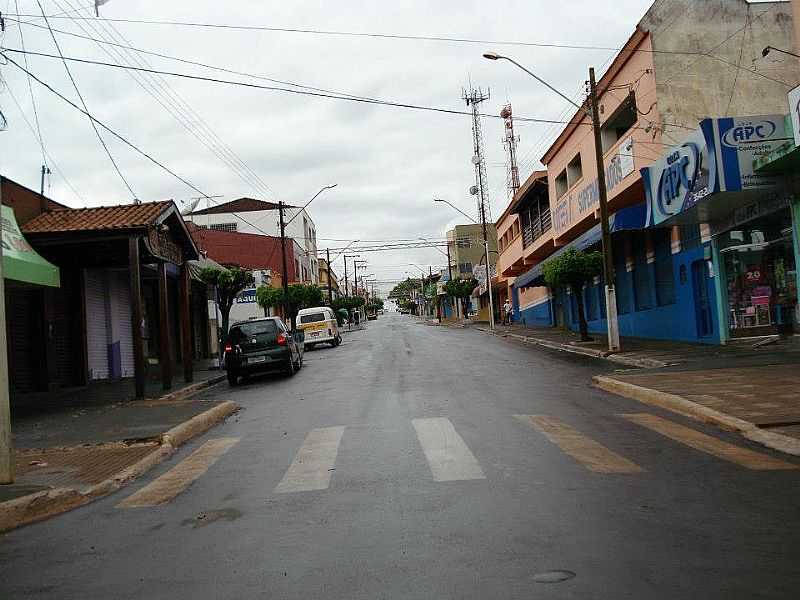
(96, 325)
(121, 301)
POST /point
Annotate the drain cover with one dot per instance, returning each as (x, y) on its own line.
(556, 576)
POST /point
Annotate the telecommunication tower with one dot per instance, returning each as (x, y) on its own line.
(510, 143)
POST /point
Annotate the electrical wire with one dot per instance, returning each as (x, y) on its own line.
(85, 108)
(38, 132)
(375, 35)
(177, 107)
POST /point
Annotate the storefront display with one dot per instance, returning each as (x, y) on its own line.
(760, 275)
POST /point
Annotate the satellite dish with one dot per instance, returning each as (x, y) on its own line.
(473, 190)
(476, 159)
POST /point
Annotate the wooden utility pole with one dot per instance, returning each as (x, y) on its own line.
(608, 261)
(286, 310)
(330, 280)
(137, 316)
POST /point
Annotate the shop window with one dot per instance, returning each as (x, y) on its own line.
(562, 184)
(465, 267)
(641, 277)
(665, 276)
(574, 170)
(618, 124)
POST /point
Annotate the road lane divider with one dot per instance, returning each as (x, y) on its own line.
(708, 444)
(313, 464)
(448, 456)
(591, 454)
(178, 478)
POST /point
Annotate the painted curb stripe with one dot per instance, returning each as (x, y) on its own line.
(591, 454)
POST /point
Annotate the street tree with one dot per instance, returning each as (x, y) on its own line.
(461, 289)
(300, 296)
(228, 283)
(573, 269)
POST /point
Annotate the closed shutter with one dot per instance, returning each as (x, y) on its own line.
(121, 301)
(23, 333)
(96, 325)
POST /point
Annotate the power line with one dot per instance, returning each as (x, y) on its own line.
(375, 35)
(106, 127)
(175, 105)
(38, 132)
(83, 103)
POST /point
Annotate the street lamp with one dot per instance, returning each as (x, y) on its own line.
(768, 49)
(485, 256)
(281, 207)
(608, 261)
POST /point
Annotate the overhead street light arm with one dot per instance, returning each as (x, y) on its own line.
(769, 49)
(327, 187)
(496, 56)
(455, 208)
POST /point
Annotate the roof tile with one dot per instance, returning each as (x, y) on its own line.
(99, 218)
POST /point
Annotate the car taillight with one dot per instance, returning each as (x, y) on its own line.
(228, 348)
(282, 339)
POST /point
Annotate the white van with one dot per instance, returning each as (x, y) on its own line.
(319, 325)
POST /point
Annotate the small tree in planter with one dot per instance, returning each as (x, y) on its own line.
(228, 283)
(461, 289)
(573, 269)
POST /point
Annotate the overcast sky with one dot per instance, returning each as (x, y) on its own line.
(388, 162)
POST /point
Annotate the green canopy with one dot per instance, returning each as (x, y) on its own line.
(20, 261)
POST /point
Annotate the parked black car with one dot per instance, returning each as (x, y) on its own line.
(262, 345)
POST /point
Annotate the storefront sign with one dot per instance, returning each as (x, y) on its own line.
(247, 296)
(587, 198)
(752, 211)
(717, 157)
(161, 244)
(794, 113)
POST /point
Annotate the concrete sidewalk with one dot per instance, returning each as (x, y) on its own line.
(68, 456)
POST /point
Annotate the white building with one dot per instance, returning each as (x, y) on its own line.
(248, 215)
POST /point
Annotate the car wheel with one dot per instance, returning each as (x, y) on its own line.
(291, 370)
(233, 377)
(299, 364)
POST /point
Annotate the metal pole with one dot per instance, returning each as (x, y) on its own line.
(488, 273)
(608, 262)
(330, 281)
(6, 448)
(286, 309)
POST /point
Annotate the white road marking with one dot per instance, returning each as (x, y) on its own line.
(179, 477)
(311, 468)
(447, 454)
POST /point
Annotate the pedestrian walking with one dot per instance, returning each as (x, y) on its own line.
(507, 313)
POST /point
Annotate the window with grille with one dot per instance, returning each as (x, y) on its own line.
(535, 220)
(465, 268)
(222, 226)
(464, 242)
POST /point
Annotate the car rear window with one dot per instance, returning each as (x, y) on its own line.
(254, 328)
(312, 318)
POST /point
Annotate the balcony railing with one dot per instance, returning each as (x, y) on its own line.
(534, 230)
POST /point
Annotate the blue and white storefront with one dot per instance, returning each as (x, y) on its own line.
(712, 181)
(708, 256)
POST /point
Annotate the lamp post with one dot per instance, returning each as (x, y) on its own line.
(281, 208)
(608, 262)
(485, 256)
(769, 49)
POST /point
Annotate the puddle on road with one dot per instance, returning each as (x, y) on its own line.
(212, 516)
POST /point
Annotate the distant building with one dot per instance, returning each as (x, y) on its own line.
(467, 254)
(258, 217)
(328, 279)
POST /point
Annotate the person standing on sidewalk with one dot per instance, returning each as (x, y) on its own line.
(507, 313)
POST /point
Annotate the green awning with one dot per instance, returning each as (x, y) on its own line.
(20, 261)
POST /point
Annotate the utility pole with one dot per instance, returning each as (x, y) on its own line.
(45, 171)
(608, 261)
(6, 449)
(330, 280)
(286, 309)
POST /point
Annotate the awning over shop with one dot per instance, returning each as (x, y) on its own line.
(20, 261)
(633, 217)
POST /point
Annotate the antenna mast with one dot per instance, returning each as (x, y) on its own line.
(510, 143)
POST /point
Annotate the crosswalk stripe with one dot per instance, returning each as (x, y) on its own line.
(591, 454)
(708, 444)
(447, 454)
(179, 477)
(311, 468)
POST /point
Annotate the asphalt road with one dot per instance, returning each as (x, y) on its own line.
(394, 467)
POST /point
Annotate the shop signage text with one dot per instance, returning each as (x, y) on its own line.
(247, 296)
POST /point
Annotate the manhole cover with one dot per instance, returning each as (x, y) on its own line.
(556, 576)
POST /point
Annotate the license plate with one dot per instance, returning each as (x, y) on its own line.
(256, 359)
(315, 334)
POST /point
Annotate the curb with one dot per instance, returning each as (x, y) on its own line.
(191, 390)
(698, 412)
(48, 503)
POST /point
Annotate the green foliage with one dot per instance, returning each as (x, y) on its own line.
(228, 284)
(460, 288)
(572, 269)
(300, 296)
(348, 303)
(375, 304)
(269, 297)
(403, 289)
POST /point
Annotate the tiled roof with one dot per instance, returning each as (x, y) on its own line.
(100, 218)
(240, 205)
